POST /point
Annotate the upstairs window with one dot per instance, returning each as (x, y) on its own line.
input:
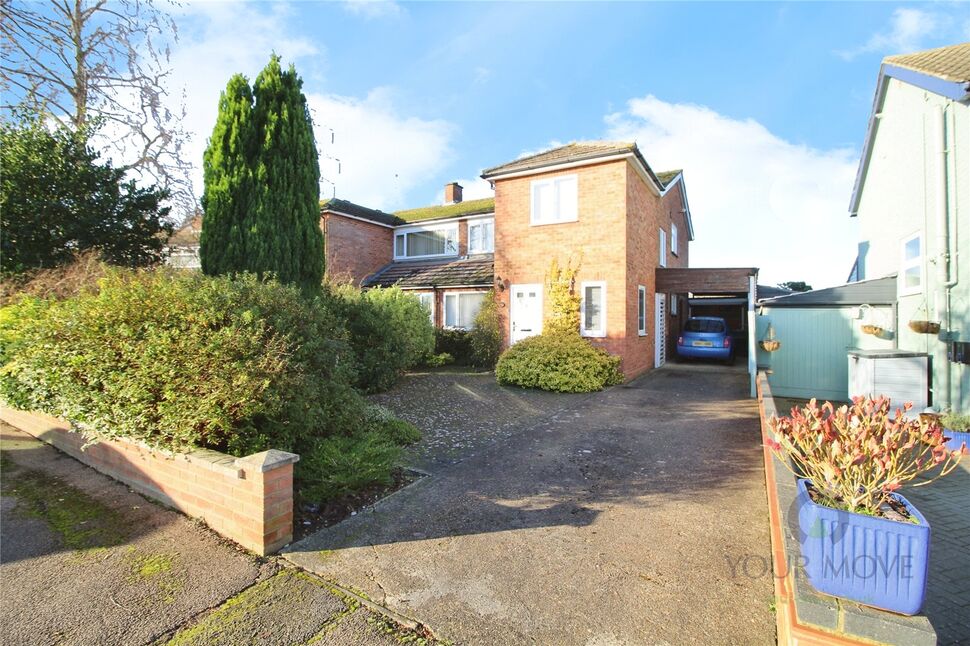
(554, 200)
(911, 270)
(425, 243)
(673, 239)
(481, 236)
(663, 249)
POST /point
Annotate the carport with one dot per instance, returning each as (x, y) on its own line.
(710, 288)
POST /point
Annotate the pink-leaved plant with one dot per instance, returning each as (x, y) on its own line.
(856, 456)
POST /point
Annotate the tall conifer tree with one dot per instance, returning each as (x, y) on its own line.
(273, 202)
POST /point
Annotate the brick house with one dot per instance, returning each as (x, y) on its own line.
(597, 203)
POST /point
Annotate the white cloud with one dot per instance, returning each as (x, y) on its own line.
(382, 154)
(756, 199)
(907, 31)
(373, 8)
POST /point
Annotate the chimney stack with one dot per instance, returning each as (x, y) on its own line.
(452, 193)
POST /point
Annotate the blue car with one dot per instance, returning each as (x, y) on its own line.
(706, 337)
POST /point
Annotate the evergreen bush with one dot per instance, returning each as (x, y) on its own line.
(485, 337)
(558, 361)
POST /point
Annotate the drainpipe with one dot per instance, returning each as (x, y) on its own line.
(752, 348)
(943, 243)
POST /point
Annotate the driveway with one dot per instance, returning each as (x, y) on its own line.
(633, 516)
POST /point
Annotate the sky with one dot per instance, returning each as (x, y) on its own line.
(764, 105)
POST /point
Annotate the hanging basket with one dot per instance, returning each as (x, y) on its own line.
(770, 345)
(924, 327)
(872, 329)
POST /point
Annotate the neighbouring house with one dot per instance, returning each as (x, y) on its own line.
(912, 203)
(598, 204)
(182, 250)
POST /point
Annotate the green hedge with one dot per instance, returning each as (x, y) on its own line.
(561, 362)
(178, 360)
(390, 332)
(455, 343)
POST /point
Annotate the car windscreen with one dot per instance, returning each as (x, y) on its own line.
(704, 325)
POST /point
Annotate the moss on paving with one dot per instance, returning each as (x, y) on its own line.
(80, 522)
(157, 571)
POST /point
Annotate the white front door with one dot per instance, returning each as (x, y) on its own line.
(526, 311)
(660, 330)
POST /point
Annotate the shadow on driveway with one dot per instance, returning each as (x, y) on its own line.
(617, 517)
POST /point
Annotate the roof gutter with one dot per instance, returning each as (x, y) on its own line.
(633, 156)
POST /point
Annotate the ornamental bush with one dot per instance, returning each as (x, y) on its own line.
(390, 332)
(561, 362)
(180, 360)
(455, 343)
(485, 337)
(856, 456)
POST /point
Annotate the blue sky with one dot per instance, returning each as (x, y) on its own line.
(763, 104)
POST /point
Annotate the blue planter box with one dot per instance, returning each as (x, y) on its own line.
(957, 439)
(875, 561)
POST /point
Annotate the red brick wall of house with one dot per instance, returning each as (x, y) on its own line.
(355, 249)
(523, 252)
(616, 235)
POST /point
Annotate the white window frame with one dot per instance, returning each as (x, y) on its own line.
(431, 294)
(478, 222)
(437, 227)
(553, 181)
(601, 332)
(663, 248)
(641, 310)
(673, 239)
(908, 264)
(673, 304)
(444, 317)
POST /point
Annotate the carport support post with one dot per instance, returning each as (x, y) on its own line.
(752, 350)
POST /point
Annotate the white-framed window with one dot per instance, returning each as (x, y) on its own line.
(427, 302)
(663, 248)
(673, 239)
(593, 309)
(555, 200)
(641, 310)
(911, 267)
(461, 308)
(426, 242)
(481, 236)
(673, 304)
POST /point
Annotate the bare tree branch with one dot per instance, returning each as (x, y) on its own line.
(93, 60)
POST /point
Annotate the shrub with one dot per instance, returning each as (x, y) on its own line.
(563, 300)
(453, 342)
(855, 456)
(335, 466)
(396, 430)
(389, 331)
(561, 362)
(956, 421)
(177, 359)
(485, 337)
(438, 360)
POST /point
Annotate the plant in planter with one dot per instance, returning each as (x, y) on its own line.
(924, 327)
(956, 427)
(859, 538)
(770, 343)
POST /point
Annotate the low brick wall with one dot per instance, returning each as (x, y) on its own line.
(248, 500)
(804, 616)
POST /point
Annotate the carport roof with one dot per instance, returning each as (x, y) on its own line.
(878, 291)
(706, 280)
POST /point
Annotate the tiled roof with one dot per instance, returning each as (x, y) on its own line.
(461, 209)
(358, 211)
(572, 152)
(948, 63)
(878, 291)
(473, 270)
(188, 234)
(667, 176)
